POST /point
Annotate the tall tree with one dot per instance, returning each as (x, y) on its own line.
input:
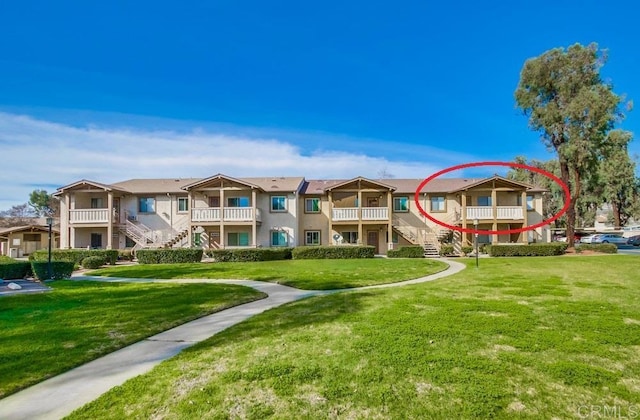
(41, 203)
(617, 176)
(17, 215)
(567, 101)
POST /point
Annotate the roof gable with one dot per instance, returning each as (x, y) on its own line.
(218, 180)
(360, 181)
(495, 181)
(85, 184)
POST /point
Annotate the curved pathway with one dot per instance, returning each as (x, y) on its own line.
(59, 396)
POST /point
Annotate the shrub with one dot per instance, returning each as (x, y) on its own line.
(332, 252)
(531, 250)
(169, 255)
(250, 254)
(75, 255)
(485, 248)
(446, 250)
(4, 258)
(466, 249)
(93, 262)
(125, 255)
(604, 248)
(59, 269)
(406, 252)
(13, 269)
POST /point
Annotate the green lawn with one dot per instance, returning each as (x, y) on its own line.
(302, 274)
(45, 334)
(545, 337)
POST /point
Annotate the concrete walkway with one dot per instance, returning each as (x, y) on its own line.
(27, 287)
(60, 395)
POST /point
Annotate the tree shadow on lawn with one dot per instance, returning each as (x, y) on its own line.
(295, 315)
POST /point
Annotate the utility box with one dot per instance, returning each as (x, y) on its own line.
(13, 252)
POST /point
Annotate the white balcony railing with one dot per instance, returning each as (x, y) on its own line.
(89, 216)
(347, 213)
(375, 213)
(510, 212)
(230, 214)
(502, 212)
(368, 213)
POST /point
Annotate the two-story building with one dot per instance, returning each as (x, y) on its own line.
(225, 212)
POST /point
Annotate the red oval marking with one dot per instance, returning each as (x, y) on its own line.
(565, 188)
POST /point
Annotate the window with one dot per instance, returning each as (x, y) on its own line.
(530, 205)
(238, 239)
(278, 203)
(401, 204)
(484, 201)
(183, 204)
(278, 238)
(350, 237)
(238, 202)
(437, 203)
(214, 201)
(147, 205)
(312, 205)
(31, 237)
(312, 237)
(197, 239)
(484, 239)
(97, 203)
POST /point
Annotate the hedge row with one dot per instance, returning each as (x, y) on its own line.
(332, 252)
(75, 255)
(406, 252)
(169, 255)
(250, 254)
(10, 270)
(59, 269)
(531, 250)
(93, 262)
(604, 248)
(446, 249)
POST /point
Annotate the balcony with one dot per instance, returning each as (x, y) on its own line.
(229, 214)
(346, 214)
(89, 216)
(502, 213)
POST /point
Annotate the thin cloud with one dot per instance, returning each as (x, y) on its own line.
(44, 153)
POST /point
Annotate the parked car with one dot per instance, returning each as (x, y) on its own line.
(587, 239)
(608, 238)
(634, 240)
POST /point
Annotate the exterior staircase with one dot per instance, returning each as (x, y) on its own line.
(423, 237)
(144, 237)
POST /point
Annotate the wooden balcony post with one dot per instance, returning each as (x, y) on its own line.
(222, 237)
(189, 225)
(110, 220)
(254, 223)
(330, 218)
(389, 220)
(359, 210)
(494, 204)
(525, 223)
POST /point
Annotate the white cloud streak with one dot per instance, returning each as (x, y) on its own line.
(41, 154)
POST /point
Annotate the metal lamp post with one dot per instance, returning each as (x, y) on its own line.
(475, 227)
(49, 271)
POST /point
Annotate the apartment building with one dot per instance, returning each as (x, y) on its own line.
(227, 212)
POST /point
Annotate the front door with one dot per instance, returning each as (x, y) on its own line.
(372, 239)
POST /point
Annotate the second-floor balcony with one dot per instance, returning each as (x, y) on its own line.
(502, 213)
(89, 216)
(352, 214)
(226, 214)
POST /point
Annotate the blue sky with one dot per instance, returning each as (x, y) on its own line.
(115, 90)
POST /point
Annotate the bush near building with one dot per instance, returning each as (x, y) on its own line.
(531, 250)
(75, 255)
(406, 252)
(332, 252)
(169, 255)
